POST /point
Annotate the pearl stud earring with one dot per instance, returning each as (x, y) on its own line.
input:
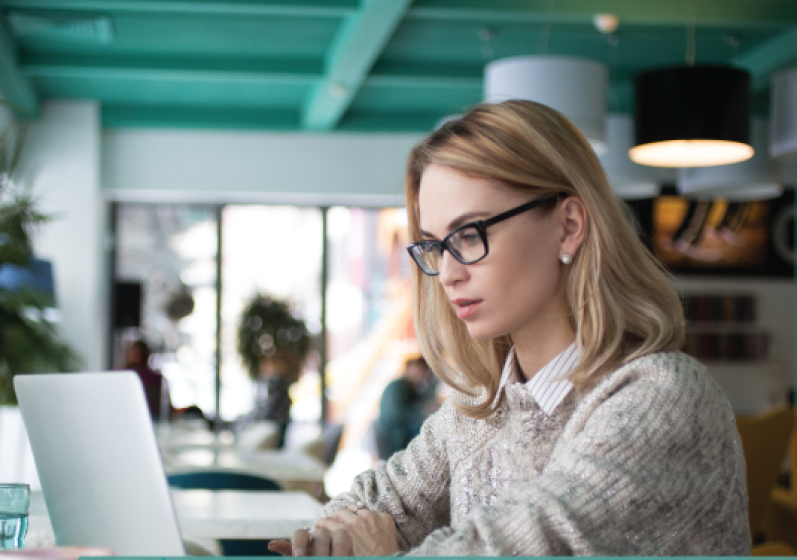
(566, 258)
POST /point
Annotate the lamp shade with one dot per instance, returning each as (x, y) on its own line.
(575, 87)
(628, 179)
(692, 116)
(783, 113)
(752, 179)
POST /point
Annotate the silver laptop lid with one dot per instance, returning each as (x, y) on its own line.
(98, 462)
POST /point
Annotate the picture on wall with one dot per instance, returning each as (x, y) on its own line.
(710, 232)
(720, 236)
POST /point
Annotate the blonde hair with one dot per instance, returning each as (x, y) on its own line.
(620, 300)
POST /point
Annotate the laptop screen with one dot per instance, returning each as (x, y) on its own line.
(98, 462)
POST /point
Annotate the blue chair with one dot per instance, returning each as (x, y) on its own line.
(220, 480)
(228, 480)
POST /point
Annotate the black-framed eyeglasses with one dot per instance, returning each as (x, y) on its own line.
(468, 243)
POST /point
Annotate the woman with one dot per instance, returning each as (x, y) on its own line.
(576, 426)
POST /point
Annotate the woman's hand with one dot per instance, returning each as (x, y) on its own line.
(370, 533)
(356, 531)
(320, 542)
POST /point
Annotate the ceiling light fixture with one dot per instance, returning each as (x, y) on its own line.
(692, 116)
(752, 179)
(575, 87)
(783, 115)
(606, 23)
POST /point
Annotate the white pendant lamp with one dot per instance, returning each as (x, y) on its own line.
(752, 179)
(575, 87)
(628, 179)
(783, 115)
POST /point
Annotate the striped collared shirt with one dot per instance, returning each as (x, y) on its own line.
(546, 392)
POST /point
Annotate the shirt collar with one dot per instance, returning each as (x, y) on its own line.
(544, 386)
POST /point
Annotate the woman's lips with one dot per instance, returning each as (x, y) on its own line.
(466, 307)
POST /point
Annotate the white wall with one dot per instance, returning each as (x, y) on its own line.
(755, 387)
(294, 168)
(63, 152)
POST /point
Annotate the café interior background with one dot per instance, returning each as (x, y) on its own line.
(222, 148)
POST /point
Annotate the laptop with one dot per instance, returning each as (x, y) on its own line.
(98, 462)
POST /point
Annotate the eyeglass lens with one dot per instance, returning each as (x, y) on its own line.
(466, 245)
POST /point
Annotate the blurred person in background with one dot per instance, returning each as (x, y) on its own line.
(277, 374)
(156, 387)
(406, 402)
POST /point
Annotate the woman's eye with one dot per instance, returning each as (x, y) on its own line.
(471, 238)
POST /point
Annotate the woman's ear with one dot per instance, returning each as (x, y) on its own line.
(575, 219)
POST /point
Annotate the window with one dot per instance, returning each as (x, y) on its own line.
(172, 250)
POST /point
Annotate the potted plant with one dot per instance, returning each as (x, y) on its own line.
(29, 342)
(273, 345)
(271, 339)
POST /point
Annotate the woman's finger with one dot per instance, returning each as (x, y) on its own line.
(346, 515)
(342, 543)
(330, 524)
(320, 542)
(281, 546)
(301, 542)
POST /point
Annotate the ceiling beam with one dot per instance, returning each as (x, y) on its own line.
(304, 72)
(391, 121)
(762, 60)
(423, 81)
(712, 13)
(15, 87)
(302, 8)
(227, 118)
(354, 51)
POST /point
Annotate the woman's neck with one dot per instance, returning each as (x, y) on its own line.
(533, 350)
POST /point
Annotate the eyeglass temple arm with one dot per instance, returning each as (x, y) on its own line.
(515, 211)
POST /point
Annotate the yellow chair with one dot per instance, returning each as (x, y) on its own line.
(783, 516)
(773, 549)
(764, 439)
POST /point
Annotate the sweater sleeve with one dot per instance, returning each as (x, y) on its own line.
(413, 486)
(650, 464)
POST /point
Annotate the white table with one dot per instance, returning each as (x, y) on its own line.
(294, 470)
(206, 514)
(175, 437)
(243, 514)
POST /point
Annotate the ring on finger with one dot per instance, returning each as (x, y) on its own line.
(358, 506)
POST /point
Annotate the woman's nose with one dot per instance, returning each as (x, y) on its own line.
(451, 270)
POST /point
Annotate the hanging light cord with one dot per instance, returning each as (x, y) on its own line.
(690, 35)
(545, 34)
(485, 35)
(690, 44)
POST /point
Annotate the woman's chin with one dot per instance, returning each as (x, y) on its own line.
(480, 333)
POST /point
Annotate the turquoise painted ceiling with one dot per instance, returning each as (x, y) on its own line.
(358, 65)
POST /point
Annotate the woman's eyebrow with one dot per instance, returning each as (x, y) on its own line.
(458, 221)
(465, 218)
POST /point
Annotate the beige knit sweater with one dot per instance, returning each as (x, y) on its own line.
(647, 463)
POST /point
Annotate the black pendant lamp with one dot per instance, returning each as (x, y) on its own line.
(692, 116)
